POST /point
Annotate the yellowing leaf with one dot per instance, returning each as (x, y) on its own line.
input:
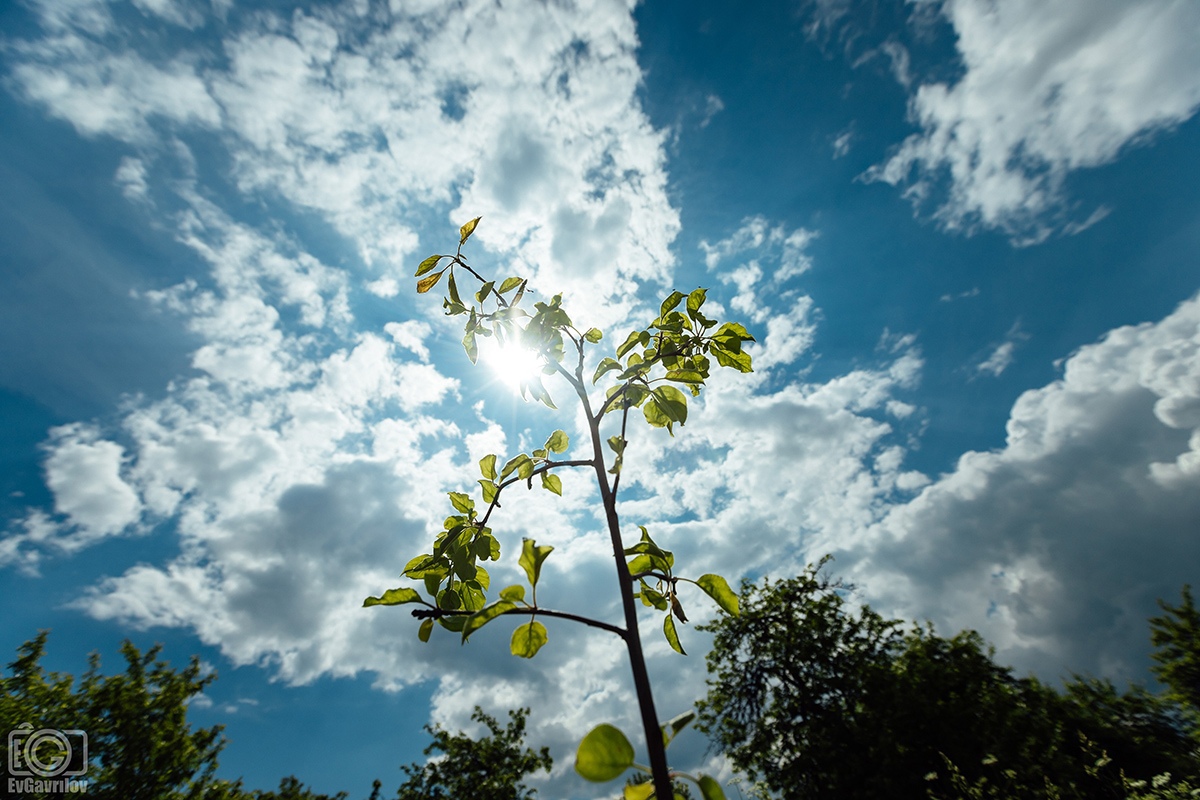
(466, 230)
(425, 284)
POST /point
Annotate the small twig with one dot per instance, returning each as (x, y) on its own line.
(438, 613)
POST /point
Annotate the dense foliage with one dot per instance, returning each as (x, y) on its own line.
(488, 769)
(815, 699)
(140, 744)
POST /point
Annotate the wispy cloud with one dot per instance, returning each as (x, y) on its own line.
(1046, 89)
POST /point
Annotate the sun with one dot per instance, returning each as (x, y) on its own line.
(511, 362)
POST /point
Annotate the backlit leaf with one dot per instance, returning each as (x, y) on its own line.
(710, 789)
(487, 466)
(718, 589)
(427, 265)
(593, 335)
(466, 230)
(531, 559)
(393, 597)
(509, 284)
(552, 482)
(485, 615)
(425, 630)
(514, 593)
(470, 346)
(605, 365)
(672, 636)
(603, 754)
(558, 442)
(462, 502)
(672, 300)
(528, 639)
(639, 791)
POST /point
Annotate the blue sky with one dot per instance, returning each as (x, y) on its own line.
(965, 235)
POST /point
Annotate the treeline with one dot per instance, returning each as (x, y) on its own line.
(812, 698)
(809, 696)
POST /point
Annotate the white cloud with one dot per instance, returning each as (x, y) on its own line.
(1000, 360)
(1048, 88)
(1056, 546)
(84, 472)
(757, 233)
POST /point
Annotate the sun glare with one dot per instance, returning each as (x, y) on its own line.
(512, 363)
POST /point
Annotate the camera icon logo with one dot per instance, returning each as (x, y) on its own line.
(47, 753)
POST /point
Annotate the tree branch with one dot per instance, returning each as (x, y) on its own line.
(438, 613)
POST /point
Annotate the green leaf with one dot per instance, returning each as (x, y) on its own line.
(593, 335)
(630, 342)
(484, 291)
(425, 630)
(470, 346)
(453, 287)
(528, 639)
(462, 502)
(466, 230)
(639, 791)
(531, 559)
(489, 491)
(452, 623)
(684, 376)
(558, 442)
(718, 589)
(485, 615)
(427, 265)
(487, 466)
(603, 754)
(525, 469)
(650, 597)
(515, 463)
(654, 415)
(739, 361)
(552, 482)
(672, 636)
(710, 789)
(393, 597)
(672, 402)
(509, 284)
(676, 724)
(425, 284)
(670, 303)
(605, 365)
(514, 593)
(694, 301)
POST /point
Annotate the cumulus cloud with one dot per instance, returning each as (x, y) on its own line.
(1057, 545)
(1046, 89)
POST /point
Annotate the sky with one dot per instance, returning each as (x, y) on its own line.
(963, 233)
